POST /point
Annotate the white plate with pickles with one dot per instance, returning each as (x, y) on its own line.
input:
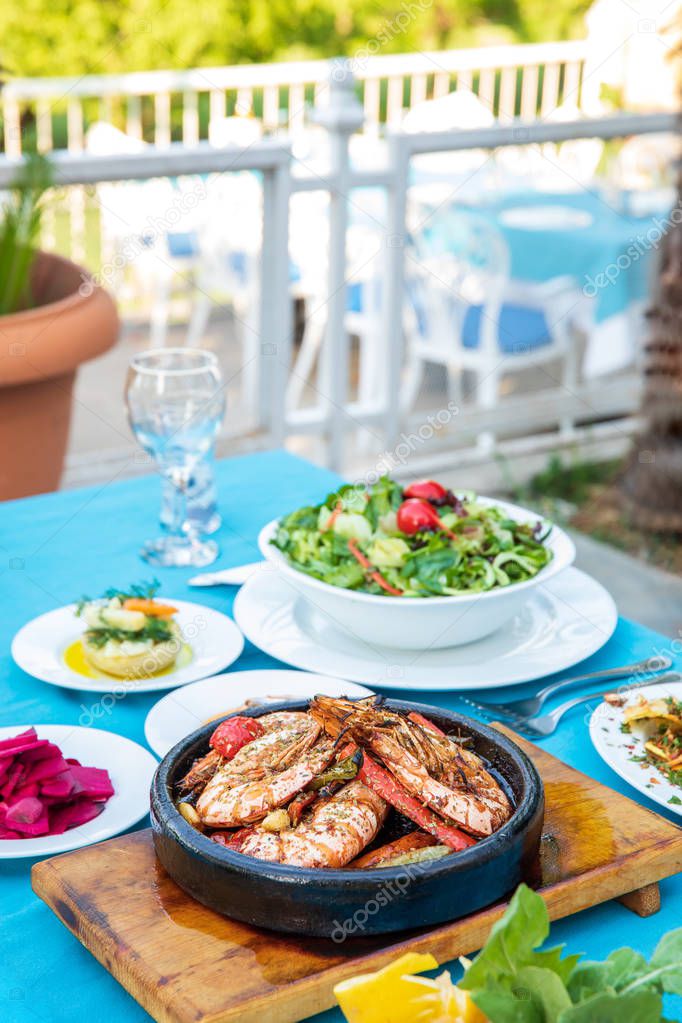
(127, 641)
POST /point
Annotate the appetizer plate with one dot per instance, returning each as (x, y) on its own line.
(179, 713)
(618, 748)
(131, 769)
(39, 648)
(563, 621)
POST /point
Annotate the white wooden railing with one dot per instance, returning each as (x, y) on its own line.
(608, 403)
(165, 106)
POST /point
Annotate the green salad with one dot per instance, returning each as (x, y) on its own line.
(417, 541)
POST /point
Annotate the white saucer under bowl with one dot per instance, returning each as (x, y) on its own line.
(563, 621)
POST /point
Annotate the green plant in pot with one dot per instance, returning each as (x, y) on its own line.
(19, 232)
(49, 324)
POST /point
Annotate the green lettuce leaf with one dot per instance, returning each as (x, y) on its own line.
(507, 1007)
(611, 1007)
(512, 941)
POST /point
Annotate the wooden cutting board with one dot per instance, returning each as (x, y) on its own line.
(183, 962)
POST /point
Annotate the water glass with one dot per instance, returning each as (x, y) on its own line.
(202, 500)
(176, 402)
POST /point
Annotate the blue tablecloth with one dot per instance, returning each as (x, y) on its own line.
(610, 258)
(54, 548)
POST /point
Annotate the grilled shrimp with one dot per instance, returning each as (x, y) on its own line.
(265, 774)
(252, 800)
(334, 834)
(203, 769)
(451, 780)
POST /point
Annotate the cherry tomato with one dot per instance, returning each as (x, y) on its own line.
(231, 735)
(426, 490)
(415, 516)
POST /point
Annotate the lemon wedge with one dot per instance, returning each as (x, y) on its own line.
(394, 995)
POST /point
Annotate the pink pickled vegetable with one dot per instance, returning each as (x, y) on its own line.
(26, 748)
(33, 829)
(18, 740)
(40, 752)
(28, 816)
(44, 793)
(73, 815)
(92, 782)
(48, 768)
(61, 786)
(24, 811)
(25, 791)
(15, 776)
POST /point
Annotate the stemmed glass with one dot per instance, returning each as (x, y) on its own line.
(175, 404)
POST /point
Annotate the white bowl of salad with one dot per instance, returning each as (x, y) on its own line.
(415, 567)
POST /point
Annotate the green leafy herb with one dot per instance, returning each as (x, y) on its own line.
(143, 591)
(156, 629)
(513, 981)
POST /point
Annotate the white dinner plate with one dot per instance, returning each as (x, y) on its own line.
(562, 622)
(180, 713)
(39, 649)
(130, 767)
(542, 218)
(618, 748)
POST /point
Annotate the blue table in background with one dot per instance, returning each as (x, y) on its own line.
(56, 547)
(610, 257)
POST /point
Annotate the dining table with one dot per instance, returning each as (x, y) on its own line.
(55, 548)
(599, 238)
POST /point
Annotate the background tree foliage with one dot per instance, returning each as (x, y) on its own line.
(68, 37)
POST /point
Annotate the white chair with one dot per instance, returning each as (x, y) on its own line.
(463, 312)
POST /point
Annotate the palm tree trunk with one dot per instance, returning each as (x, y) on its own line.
(652, 480)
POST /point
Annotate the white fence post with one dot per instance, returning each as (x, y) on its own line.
(275, 321)
(394, 286)
(342, 117)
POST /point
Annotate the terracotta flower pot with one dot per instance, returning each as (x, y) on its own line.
(40, 350)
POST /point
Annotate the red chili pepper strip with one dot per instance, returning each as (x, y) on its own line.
(298, 804)
(385, 853)
(373, 572)
(384, 784)
(232, 839)
(231, 735)
(419, 719)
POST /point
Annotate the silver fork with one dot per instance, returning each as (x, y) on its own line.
(530, 706)
(546, 724)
